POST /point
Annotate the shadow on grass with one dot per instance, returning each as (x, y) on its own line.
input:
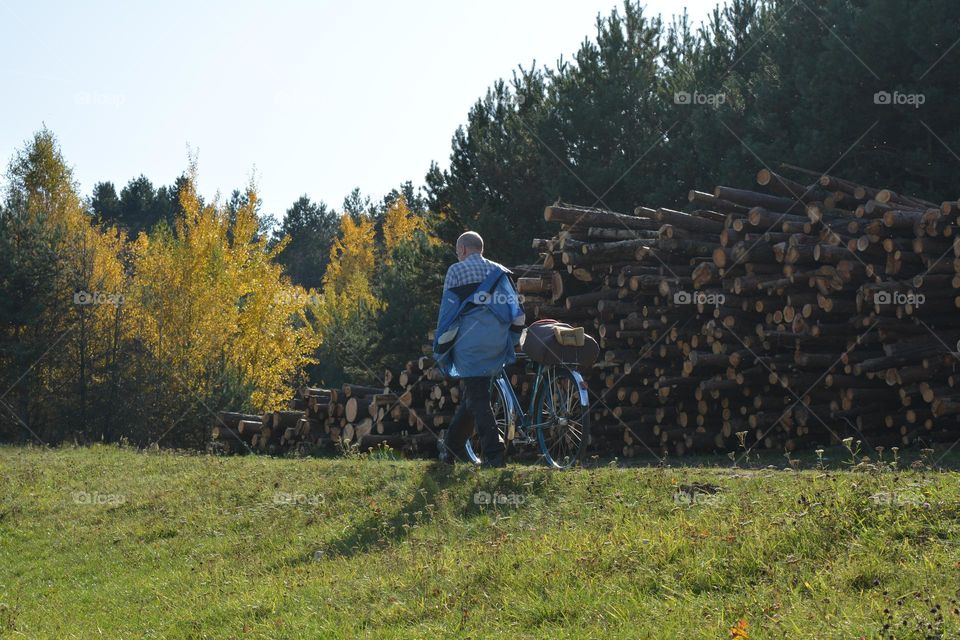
(379, 528)
(382, 529)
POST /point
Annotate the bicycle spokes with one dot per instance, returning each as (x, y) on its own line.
(563, 420)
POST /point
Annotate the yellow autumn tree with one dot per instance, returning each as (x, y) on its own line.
(400, 225)
(347, 305)
(215, 312)
(348, 281)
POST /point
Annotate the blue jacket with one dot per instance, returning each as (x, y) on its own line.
(478, 330)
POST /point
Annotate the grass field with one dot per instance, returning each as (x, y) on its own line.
(115, 543)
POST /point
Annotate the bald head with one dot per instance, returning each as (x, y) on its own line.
(469, 243)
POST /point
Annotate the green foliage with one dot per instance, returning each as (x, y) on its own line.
(140, 207)
(311, 229)
(54, 353)
(105, 203)
(410, 287)
(348, 346)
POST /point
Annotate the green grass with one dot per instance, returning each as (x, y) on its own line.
(115, 543)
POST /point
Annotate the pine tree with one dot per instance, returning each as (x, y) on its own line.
(311, 229)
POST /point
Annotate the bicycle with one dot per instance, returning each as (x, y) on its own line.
(558, 418)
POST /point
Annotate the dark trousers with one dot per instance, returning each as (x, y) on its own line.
(474, 409)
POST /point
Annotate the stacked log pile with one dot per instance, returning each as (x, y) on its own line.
(791, 317)
(312, 419)
(354, 416)
(407, 414)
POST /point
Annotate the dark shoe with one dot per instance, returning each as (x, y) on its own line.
(497, 462)
(452, 452)
(450, 457)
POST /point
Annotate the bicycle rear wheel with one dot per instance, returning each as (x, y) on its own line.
(561, 418)
(501, 415)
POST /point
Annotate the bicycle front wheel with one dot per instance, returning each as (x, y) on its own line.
(561, 418)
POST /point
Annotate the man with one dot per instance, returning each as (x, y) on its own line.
(478, 328)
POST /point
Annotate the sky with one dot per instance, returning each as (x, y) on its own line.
(310, 98)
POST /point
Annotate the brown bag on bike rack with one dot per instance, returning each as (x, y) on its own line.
(552, 342)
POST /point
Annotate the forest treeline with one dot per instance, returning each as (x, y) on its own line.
(137, 313)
